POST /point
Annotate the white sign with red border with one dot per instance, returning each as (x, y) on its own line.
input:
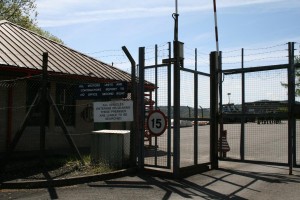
(156, 122)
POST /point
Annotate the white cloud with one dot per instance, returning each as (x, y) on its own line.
(67, 12)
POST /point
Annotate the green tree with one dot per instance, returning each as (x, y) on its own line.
(297, 81)
(23, 13)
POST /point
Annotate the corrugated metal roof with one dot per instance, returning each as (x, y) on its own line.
(22, 48)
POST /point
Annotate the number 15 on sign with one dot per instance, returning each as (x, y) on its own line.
(156, 122)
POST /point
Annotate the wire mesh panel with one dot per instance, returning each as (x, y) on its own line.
(204, 119)
(266, 85)
(260, 131)
(157, 148)
(297, 150)
(233, 139)
(186, 117)
(267, 142)
(297, 110)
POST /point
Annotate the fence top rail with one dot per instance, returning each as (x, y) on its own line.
(154, 66)
(194, 71)
(255, 69)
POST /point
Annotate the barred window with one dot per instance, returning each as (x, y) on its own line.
(32, 89)
(65, 101)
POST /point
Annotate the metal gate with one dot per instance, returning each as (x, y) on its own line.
(257, 111)
(154, 93)
(183, 95)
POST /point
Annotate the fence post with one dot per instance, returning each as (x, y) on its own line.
(133, 139)
(169, 106)
(196, 111)
(43, 107)
(141, 105)
(291, 103)
(156, 98)
(176, 112)
(242, 141)
(214, 111)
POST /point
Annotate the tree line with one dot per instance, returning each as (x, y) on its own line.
(24, 14)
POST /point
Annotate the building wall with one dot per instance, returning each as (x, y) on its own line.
(3, 118)
(55, 137)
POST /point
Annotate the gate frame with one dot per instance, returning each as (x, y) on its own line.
(141, 104)
(291, 105)
(177, 171)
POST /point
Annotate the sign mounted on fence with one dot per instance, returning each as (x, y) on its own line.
(100, 90)
(113, 111)
(156, 122)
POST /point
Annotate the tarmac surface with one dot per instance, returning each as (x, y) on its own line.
(232, 181)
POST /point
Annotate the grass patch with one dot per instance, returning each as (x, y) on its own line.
(53, 167)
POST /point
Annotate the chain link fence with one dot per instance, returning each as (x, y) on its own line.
(18, 96)
(255, 104)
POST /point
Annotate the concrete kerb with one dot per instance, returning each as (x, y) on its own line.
(67, 181)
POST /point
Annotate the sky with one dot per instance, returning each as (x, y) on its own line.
(100, 28)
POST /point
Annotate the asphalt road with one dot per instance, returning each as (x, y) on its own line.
(263, 142)
(232, 181)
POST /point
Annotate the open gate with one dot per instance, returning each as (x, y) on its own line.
(258, 121)
(185, 146)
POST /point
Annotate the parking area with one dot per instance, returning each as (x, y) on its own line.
(263, 142)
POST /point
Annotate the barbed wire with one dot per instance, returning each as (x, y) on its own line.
(21, 78)
(102, 51)
(268, 47)
(231, 51)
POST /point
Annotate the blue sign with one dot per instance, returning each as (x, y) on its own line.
(102, 90)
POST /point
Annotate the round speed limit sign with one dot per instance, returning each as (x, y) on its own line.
(156, 122)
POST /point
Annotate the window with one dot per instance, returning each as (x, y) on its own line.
(65, 101)
(32, 89)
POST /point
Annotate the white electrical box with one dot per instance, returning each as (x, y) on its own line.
(111, 147)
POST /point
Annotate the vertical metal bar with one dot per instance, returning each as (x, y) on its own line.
(220, 113)
(156, 78)
(196, 111)
(242, 142)
(142, 106)
(176, 123)
(156, 100)
(291, 103)
(43, 106)
(213, 111)
(169, 107)
(133, 138)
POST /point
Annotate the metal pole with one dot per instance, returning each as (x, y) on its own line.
(213, 111)
(291, 103)
(142, 106)
(219, 82)
(196, 118)
(216, 29)
(156, 98)
(242, 146)
(43, 107)
(201, 111)
(133, 138)
(176, 114)
(169, 107)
